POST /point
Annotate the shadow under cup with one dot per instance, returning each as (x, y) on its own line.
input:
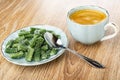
(87, 34)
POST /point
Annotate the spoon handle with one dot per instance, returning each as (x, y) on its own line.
(88, 60)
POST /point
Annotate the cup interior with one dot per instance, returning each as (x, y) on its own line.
(93, 7)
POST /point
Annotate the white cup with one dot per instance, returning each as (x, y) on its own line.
(89, 34)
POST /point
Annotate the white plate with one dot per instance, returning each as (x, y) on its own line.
(22, 61)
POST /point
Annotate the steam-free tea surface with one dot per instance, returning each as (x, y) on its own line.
(87, 16)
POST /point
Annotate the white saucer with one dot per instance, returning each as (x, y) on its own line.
(22, 61)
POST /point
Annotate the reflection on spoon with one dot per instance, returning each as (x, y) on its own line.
(53, 41)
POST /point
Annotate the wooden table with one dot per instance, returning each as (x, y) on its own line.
(16, 14)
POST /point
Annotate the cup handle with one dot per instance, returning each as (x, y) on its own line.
(115, 28)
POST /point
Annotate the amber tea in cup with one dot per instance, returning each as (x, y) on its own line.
(87, 16)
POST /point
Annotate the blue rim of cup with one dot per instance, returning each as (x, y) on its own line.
(76, 8)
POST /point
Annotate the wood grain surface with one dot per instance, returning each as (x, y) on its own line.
(16, 14)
